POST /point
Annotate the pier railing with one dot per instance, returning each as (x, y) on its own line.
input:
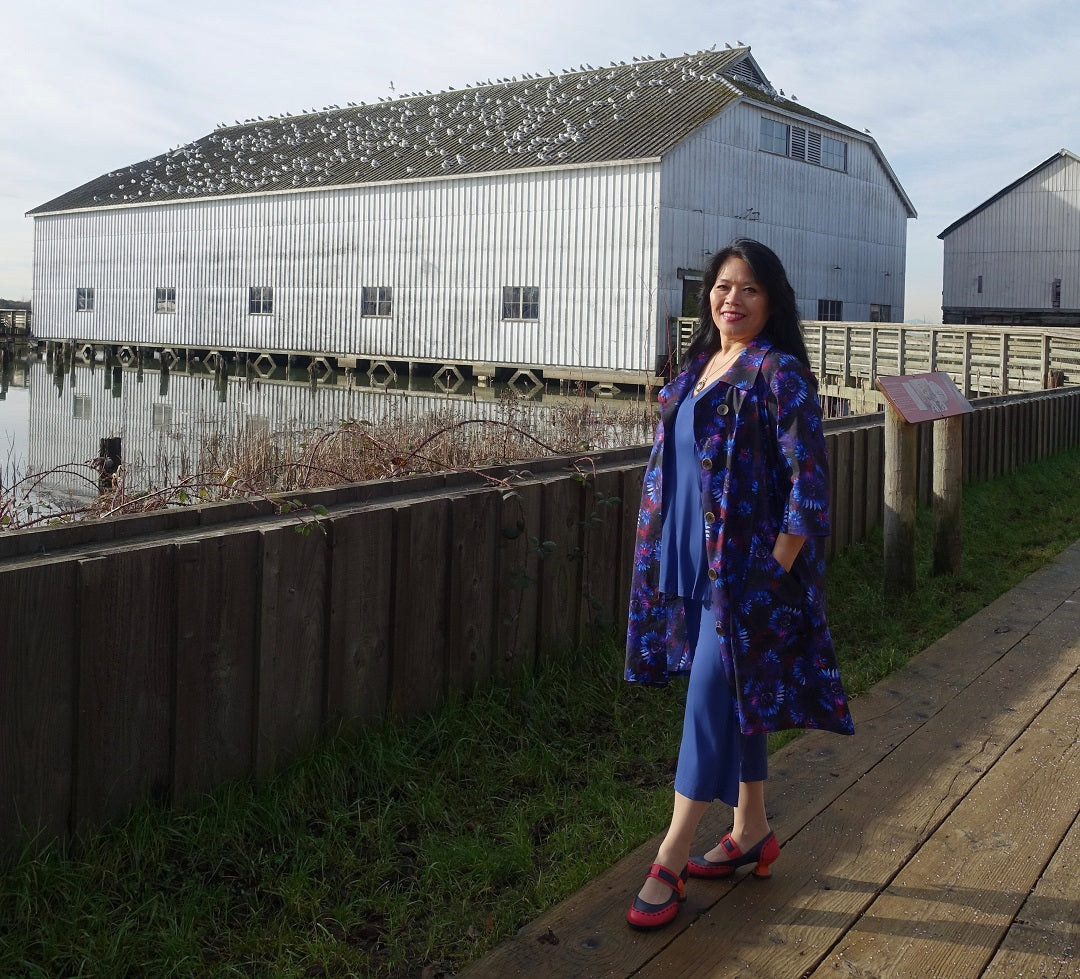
(154, 657)
(981, 360)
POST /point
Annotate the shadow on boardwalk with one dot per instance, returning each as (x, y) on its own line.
(941, 841)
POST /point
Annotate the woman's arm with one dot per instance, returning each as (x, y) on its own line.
(787, 548)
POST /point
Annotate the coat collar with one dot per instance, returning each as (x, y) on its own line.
(742, 374)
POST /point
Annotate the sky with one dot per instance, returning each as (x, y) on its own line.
(963, 97)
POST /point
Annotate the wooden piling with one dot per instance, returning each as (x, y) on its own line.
(948, 494)
(900, 490)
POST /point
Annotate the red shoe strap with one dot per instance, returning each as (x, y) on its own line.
(661, 873)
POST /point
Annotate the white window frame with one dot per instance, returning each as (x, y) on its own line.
(376, 301)
(830, 310)
(260, 300)
(165, 299)
(520, 303)
(84, 299)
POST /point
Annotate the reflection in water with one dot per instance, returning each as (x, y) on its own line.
(164, 427)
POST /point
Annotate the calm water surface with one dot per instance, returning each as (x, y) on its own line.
(53, 415)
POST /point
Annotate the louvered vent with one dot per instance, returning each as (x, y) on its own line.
(745, 71)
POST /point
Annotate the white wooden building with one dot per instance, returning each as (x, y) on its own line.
(549, 222)
(1015, 259)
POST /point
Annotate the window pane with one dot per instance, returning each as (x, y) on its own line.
(833, 153)
(773, 138)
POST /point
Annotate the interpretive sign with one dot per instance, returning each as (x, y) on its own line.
(923, 397)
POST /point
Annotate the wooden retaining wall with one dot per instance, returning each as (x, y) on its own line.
(155, 657)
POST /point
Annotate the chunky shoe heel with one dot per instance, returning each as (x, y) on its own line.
(770, 850)
(762, 854)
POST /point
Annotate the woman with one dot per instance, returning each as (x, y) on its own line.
(729, 568)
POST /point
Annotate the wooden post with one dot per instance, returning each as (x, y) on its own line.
(948, 492)
(900, 488)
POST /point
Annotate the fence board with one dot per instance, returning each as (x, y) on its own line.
(560, 570)
(292, 643)
(875, 477)
(858, 480)
(631, 480)
(601, 533)
(217, 611)
(361, 606)
(841, 502)
(516, 580)
(38, 687)
(126, 643)
(418, 648)
(472, 634)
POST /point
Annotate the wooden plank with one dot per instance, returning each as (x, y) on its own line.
(38, 690)
(601, 540)
(840, 504)
(361, 578)
(217, 615)
(967, 669)
(472, 637)
(418, 661)
(858, 485)
(126, 673)
(517, 580)
(875, 476)
(293, 615)
(946, 913)
(560, 569)
(831, 442)
(631, 494)
(1044, 939)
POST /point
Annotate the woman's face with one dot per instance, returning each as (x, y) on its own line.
(740, 307)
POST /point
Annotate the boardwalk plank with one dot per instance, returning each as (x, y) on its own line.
(1044, 940)
(807, 776)
(945, 913)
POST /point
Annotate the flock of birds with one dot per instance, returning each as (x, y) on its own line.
(531, 120)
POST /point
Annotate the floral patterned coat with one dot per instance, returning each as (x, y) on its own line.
(764, 471)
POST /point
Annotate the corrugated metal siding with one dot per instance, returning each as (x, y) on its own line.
(1019, 244)
(717, 185)
(586, 237)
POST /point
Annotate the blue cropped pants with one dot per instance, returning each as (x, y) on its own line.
(714, 755)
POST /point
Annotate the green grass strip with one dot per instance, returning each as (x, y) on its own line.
(429, 841)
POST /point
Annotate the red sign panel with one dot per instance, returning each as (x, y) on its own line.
(923, 397)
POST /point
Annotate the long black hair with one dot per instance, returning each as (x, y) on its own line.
(783, 327)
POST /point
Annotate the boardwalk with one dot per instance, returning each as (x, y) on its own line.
(941, 841)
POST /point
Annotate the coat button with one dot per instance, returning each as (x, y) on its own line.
(706, 463)
(710, 517)
(722, 408)
(713, 574)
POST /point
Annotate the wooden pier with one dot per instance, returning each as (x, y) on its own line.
(941, 842)
(847, 357)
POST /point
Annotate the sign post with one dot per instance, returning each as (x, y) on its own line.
(916, 398)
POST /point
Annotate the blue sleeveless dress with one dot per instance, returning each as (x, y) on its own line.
(714, 755)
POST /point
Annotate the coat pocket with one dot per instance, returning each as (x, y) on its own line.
(772, 614)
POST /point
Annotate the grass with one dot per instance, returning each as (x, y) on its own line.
(411, 849)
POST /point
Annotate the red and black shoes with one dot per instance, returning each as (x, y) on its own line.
(645, 916)
(763, 854)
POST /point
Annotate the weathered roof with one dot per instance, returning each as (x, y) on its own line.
(632, 111)
(592, 115)
(1061, 154)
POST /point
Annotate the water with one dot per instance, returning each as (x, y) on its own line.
(54, 416)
